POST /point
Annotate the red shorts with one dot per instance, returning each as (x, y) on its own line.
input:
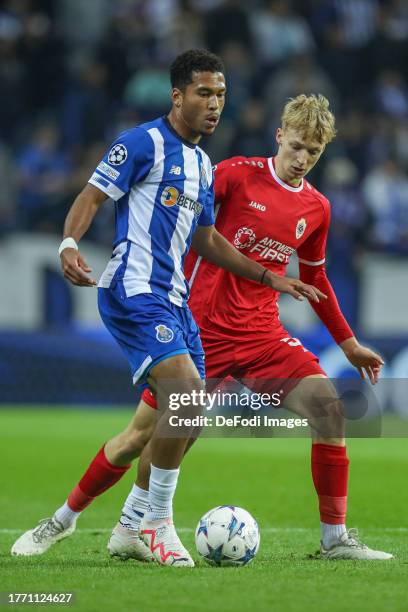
(262, 362)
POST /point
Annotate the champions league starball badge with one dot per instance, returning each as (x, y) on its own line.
(117, 155)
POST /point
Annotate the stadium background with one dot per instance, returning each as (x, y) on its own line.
(73, 74)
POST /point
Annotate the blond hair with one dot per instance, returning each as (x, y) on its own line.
(311, 116)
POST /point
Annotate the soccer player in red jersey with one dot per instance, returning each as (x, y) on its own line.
(267, 209)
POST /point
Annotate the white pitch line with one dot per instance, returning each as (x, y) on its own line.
(263, 530)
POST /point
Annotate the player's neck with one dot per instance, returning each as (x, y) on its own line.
(185, 132)
(293, 182)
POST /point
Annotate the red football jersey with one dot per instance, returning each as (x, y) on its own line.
(267, 220)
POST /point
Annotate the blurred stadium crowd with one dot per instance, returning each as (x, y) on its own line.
(74, 73)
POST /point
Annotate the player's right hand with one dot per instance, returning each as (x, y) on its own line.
(294, 287)
(76, 269)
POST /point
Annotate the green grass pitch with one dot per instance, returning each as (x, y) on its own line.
(44, 452)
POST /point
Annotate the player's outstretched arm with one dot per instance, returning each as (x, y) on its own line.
(78, 220)
(329, 312)
(211, 245)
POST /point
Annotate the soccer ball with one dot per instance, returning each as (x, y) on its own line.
(227, 535)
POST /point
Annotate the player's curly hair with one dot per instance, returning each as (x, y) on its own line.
(193, 60)
(311, 116)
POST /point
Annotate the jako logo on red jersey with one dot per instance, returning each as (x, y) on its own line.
(257, 205)
(244, 238)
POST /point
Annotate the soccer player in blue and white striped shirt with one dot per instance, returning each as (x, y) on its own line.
(162, 185)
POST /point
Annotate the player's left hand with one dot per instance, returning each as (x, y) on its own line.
(367, 362)
(294, 287)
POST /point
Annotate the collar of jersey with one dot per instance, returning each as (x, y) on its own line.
(278, 180)
(176, 134)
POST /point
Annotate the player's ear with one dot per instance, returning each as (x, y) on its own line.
(279, 136)
(176, 97)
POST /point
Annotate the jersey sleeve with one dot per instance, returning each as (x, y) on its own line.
(328, 310)
(312, 270)
(128, 161)
(313, 251)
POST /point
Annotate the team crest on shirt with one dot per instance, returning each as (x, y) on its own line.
(244, 238)
(203, 178)
(117, 155)
(164, 333)
(300, 228)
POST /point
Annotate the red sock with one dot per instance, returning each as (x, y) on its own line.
(149, 399)
(330, 477)
(100, 476)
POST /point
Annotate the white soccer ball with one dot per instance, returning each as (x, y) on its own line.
(227, 535)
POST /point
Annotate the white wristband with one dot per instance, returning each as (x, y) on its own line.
(67, 243)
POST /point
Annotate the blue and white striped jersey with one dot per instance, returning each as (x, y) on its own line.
(163, 187)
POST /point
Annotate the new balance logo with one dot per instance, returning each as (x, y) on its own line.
(257, 205)
(175, 170)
